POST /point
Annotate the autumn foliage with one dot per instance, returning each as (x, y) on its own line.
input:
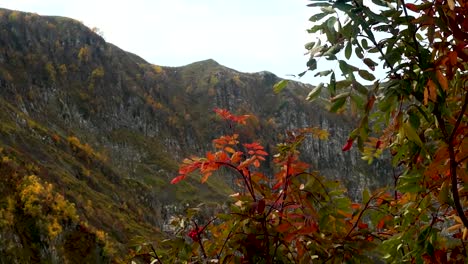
(408, 89)
(294, 215)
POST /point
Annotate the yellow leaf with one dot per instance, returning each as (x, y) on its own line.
(451, 4)
(454, 228)
(426, 96)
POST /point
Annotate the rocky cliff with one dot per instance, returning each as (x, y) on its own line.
(105, 130)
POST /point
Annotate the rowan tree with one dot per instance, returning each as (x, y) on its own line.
(402, 68)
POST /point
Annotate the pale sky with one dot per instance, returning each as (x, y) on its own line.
(246, 35)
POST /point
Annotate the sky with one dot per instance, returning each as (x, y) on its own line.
(246, 35)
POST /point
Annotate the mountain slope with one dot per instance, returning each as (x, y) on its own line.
(107, 129)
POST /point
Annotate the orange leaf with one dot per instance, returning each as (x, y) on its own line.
(430, 92)
(261, 152)
(256, 163)
(236, 157)
(205, 177)
(177, 179)
(381, 223)
(222, 156)
(229, 149)
(453, 57)
(355, 206)
(210, 156)
(246, 162)
(442, 80)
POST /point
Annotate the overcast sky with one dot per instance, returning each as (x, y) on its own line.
(246, 35)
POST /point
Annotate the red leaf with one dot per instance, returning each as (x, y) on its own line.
(256, 163)
(412, 7)
(381, 223)
(283, 227)
(377, 145)
(210, 156)
(363, 225)
(348, 145)
(226, 115)
(261, 206)
(253, 146)
(177, 179)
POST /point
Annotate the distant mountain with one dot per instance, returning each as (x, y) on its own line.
(90, 136)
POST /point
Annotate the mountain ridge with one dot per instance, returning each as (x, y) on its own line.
(107, 129)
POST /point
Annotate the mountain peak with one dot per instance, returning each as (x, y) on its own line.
(206, 63)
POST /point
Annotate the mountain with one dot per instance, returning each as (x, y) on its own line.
(91, 135)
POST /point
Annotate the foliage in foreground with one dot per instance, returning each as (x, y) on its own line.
(292, 216)
(418, 114)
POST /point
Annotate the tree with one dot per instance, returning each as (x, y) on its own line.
(292, 216)
(418, 109)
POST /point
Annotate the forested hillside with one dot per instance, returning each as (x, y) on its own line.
(91, 135)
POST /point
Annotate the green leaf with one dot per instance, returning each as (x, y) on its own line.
(414, 120)
(279, 86)
(380, 3)
(312, 64)
(366, 75)
(341, 5)
(339, 103)
(364, 43)
(328, 10)
(341, 95)
(317, 17)
(348, 50)
(358, 100)
(332, 85)
(315, 92)
(370, 63)
(347, 68)
(360, 88)
(412, 135)
(365, 196)
(323, 73)
(343, 84)
(331, 23)
(358, 52)
(318, 4)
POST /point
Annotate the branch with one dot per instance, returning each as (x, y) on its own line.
(453, 164)
(413, 31)
(460, 117)
(251, 190)
(156, 254)
(200, 240)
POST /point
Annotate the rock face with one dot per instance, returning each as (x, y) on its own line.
(107, 130)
